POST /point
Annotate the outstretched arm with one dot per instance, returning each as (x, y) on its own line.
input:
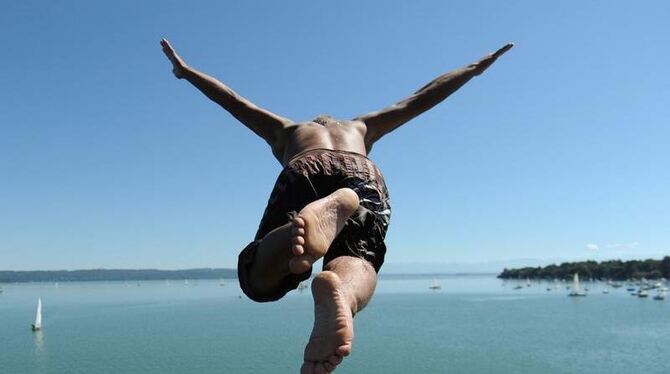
(264, 123)
(386, 120)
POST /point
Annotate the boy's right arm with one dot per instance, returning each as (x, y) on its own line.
(262, 122)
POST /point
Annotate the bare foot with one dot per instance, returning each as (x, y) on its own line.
(317, 225)
(333, 332)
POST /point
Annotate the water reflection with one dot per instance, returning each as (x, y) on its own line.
(39, 341)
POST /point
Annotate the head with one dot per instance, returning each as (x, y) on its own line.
(323, 119)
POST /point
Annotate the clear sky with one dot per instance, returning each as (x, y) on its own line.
(559, 151)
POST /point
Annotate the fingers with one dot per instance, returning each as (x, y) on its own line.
(486, 61)
(167, 50)
(167, 47)
(502, 50)
(165, 43)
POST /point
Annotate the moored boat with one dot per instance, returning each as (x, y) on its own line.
(38, 317)
(435, 285)
(576, 291)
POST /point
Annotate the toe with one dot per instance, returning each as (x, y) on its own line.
(343, 350)
(298, 250)
(298, 240)
(335, 360)
(305, 260)
(298, 223)
(320, 369)
(301, 263)
(329, 367)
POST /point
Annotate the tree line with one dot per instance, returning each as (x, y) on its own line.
(613, 269)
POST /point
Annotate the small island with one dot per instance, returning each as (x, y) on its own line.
(606, 270)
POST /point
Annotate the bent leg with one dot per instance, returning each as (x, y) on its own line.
(262, 267)
(275, 264)
(343, 289)
(272, 257)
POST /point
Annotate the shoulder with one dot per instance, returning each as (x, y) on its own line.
(357, 125)
(363, 130)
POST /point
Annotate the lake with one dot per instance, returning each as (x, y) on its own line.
(473, 324)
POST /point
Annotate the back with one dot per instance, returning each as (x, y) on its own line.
(323, 132)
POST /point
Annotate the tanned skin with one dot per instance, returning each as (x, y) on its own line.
(347, 283)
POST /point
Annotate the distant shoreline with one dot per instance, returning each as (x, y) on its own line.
(104, 275)
(606, 270)
(90, 275)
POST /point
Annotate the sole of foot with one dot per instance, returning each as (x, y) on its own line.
(316, 226)
(333, 332)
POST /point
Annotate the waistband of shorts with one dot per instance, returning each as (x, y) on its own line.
(326, 150)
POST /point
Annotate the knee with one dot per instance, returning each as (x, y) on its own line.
(256, 291)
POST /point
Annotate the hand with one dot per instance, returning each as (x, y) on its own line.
(489, 59)
(178, 65)
(502, 50)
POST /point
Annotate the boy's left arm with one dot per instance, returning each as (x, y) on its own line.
(388, 119)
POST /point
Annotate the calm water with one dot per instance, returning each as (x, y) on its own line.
(475, 324)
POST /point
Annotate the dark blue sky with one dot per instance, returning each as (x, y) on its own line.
(559, 151)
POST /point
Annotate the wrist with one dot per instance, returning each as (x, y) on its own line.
(182, 71)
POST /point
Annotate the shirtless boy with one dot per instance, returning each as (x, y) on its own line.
(329, 201)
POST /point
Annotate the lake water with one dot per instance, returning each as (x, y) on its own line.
(474, 324)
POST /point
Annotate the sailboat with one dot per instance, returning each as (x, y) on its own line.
(222, 282)
(576, 291)
(38, 317)
(435, 285)
(527, 282)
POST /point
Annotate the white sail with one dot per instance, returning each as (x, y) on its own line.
(38, 317)
(575, 284)
(435, 285)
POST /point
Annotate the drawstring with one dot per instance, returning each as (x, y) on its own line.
(316, 194)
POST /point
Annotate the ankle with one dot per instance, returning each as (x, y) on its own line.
(335, 281)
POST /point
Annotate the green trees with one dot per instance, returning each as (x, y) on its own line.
(665, 267)
(613, 269)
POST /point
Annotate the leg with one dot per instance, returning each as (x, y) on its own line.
(272, 258)
(294, 247)
(339, 292)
